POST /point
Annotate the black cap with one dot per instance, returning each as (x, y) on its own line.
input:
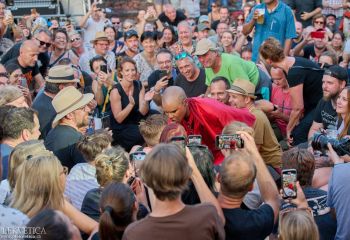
(331, 14)
(337, 72)
(130, 33)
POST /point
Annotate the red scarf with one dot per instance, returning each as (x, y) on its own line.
(207, 117)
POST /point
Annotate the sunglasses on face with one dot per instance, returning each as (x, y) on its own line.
(114, 23)
(317, 22)
(43, 43)
(75, 39)
(181, 56)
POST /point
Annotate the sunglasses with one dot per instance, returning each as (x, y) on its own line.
(317, 22)
(240, 19)
(181, 56)
(114, 23)
(75, 39)
(213, 6)
(4, 74)
(43, 43)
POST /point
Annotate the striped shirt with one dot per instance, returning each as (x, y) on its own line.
(80, 180)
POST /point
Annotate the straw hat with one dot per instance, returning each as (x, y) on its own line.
(243, 87)
(68, 100)
(61, 74)
(100, 36)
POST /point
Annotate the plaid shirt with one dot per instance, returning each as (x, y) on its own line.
(327, 10)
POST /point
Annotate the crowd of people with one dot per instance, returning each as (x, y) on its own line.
(115, 128)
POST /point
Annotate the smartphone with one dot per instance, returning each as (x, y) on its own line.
(180, 141)
(231, 141)
(194, 140)
(163, 73)
(103, 68)
(138, 156)
(234, 24)
(131, 180)
(7, 13)
(23, 82)
(289, 187)
(318, 34)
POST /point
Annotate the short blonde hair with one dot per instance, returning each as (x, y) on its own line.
(152, 127)
(39, 185)
(166, 171)
(21, 153)
(298, 224)
(9, 94)
(111, 165)
(234, 127)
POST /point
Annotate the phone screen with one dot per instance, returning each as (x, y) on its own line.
(103, 68)
(163, 73)
(231, 141)
(289, 187)
(138, 156)
(194, 140)
(180, 141)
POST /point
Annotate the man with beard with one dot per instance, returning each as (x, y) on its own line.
(333, 82)
(72, 118)
(131, 41)
(299, 31)
(311, 51)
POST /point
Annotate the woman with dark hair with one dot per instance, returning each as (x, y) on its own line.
(60, 48)
(146, 61)
(337, 45)
(52, 225)
(129, 106)
(118, 209)
(168, 37)
(115, 45)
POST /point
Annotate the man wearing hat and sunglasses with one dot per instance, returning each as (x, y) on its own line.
(72, 115)
(58, 78)
(242, 96)
(101, 45)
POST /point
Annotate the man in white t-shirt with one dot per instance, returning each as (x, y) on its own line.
(92, 23)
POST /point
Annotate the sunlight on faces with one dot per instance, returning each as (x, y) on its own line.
(331, 87)
(128, 71)
(237, 100)
(278, 78)
(101, 47)
(60, 41)
(132, 43)
(208, 59)
(218, 91)
(186, 67)
(174, 109)
(185, 34)
(149, 45)
(110, 33)
(164, 61)
(226, 39)
(343, 102)
(81, 116)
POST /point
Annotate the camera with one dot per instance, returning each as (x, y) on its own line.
(320, 141)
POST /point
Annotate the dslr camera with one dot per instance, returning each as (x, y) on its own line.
(320, 141)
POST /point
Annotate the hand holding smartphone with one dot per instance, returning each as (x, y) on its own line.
(289, 187)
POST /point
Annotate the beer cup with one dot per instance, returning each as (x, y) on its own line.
(261, 15)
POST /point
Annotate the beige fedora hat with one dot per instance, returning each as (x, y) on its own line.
(61, 74)
(243, 87)
(100, 36)
(68, 100)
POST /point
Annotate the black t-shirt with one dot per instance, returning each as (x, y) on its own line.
(42, 63)
(249, 224)
(325, 113)
(301, 6)
(29, 72)
(194, 88)
(180, 16)
(310, 74)
(43, 104)
(155, 77)
(317, 200)
(87, 82)
(62, 141)
(309, 52)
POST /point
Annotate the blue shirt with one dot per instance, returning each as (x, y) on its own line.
(278, 24)
(338, 198)
(5, 153)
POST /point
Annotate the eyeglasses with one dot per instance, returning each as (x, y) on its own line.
(213, 6)
(75, 39)
(318, 22)
(182, 55)
(42, 43)
(240, 19)
(64, 171)
(4, 74)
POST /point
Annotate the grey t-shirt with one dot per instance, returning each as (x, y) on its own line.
(338, 198)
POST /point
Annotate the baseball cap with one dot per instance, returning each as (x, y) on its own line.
(202, 27)
(130, 33)
(203, 46)
(337, 72)
(203, 18)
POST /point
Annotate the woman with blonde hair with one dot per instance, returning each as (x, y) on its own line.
(18, 155)
(40, 185)
(298, 225)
